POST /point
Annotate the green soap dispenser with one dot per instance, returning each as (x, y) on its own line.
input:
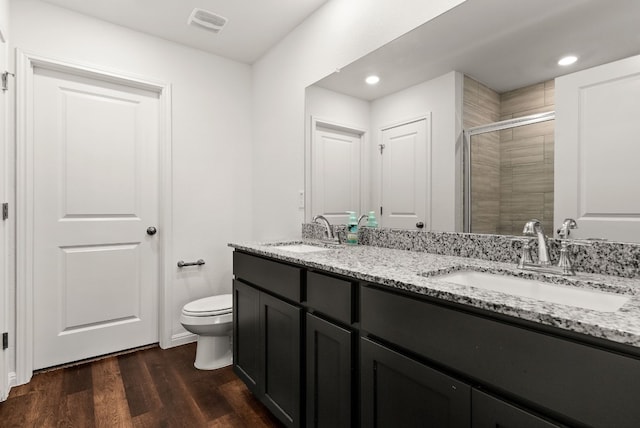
(371, 220)
(352, 228)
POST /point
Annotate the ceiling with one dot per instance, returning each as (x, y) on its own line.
(253, 26)
(505, 44)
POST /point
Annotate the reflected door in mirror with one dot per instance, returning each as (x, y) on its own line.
(405, 165)
(335, 170)
(598, 152)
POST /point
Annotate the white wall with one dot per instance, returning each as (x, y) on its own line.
(338, 108)
(335, 35)
(211, 132)
(441, 98)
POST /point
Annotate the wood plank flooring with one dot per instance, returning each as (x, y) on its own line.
(147, 388)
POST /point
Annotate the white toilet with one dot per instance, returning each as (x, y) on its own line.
(211, 319)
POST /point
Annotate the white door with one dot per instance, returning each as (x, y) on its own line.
(597, 151)
(4, 380)
(405, 166)
(335, 169)
(95, 191)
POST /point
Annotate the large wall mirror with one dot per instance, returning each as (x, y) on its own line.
(472, 113)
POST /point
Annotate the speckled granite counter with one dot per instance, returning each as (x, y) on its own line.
(419, 272)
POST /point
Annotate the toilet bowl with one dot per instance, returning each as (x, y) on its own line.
(211, 319)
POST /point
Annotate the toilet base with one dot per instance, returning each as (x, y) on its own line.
(213, 352)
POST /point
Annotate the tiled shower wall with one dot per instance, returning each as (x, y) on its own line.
(513, 169)
(482, 106)
(526, 160)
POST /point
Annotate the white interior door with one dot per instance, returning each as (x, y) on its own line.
(95, 193)
(335, 168)
(405, 167)
(4, 380)
(597, 179)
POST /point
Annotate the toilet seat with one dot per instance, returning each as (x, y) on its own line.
(209, 306)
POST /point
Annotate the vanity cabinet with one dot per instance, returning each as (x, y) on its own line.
(568, 381)
(329, 372)
(323, 350)
(400, 392)
(268, 334)
(491, 412)
(331, 351)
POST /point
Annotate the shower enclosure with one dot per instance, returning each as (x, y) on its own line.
(509, 174)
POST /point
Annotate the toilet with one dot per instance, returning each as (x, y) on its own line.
(211, 319)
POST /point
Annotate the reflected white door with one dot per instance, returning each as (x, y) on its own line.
(335, 170)
(95, 163)
(4, 227)
(597, 179)
(404, 178)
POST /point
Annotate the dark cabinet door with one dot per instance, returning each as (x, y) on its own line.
(281, 385)
(491, 412)
(247, 355)
(400, 392)
(329, 374)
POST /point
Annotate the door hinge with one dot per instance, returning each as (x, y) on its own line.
(5, 78)
(5, 210)
(381, 146)
(5, 341)
(380, 210)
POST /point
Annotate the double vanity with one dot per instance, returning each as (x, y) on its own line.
(340, 336)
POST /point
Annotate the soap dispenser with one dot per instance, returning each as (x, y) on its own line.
(371, 220)
(352, 228)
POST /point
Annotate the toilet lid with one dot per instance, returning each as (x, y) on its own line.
(214, 305)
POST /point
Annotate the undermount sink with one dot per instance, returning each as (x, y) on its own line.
(540, 290)
(300, 248)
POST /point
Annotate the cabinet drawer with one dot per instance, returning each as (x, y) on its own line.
(330, 296)
(558, 377)
(278, 278)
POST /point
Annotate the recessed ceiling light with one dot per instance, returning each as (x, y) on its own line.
(372, 80)
(567, 60)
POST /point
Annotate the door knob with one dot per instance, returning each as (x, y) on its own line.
(151, 230)
(419, 225)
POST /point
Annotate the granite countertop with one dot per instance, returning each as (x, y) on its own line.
(419, 272)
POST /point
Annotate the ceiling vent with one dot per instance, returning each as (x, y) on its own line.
(207, 20)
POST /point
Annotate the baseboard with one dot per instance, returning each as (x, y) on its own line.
(181, 339)
(11, 382)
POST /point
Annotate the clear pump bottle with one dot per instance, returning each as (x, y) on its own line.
(352, 228)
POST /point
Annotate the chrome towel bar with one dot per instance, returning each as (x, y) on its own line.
(196, 263)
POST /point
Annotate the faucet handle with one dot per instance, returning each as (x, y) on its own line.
(523, 252)
(564, 262)
(564, 230)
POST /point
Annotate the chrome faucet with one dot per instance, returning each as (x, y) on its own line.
(566, 227)
(362, 217)
(534, 228)
(328, 233)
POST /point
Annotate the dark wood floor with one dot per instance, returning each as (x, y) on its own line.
(148, 388)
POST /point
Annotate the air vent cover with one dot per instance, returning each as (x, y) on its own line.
(207, 20)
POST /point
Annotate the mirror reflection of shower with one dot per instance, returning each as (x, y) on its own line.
(509, 155)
